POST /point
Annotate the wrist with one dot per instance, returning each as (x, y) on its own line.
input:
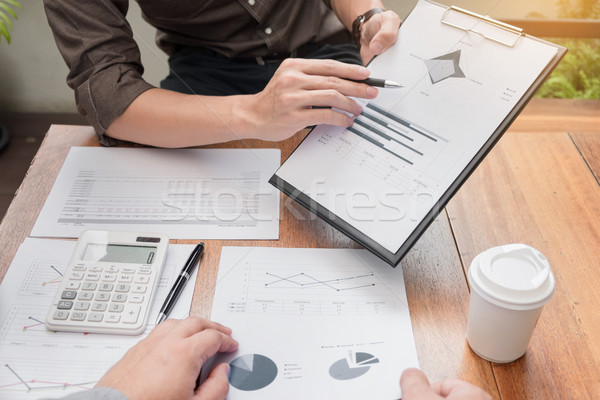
(244, 119)
(360, 21)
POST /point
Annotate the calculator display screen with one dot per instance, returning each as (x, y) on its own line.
(119, 253)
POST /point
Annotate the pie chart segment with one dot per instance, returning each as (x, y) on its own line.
(252, 372)
(341, 371)
(361, 363)
(366, 358)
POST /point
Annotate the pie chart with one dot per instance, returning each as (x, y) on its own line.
(358, 365)
(252, 372)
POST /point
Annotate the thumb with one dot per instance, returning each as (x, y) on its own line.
(381, 31)
(216, 385)
(415, 385)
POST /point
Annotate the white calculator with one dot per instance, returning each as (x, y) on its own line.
(109, 283)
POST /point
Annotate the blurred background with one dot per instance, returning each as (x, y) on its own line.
(32, 73)
(33, 92)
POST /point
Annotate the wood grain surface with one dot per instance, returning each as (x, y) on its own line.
(538, 186)
(538, 190)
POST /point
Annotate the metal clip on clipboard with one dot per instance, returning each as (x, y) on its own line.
(483, 26)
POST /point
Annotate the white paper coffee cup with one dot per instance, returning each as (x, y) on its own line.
(509, 286)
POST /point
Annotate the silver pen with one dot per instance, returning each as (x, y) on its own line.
(382, 83)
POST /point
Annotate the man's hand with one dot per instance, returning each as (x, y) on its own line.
(378, 34)
(415, 386)
(166, 364)
(303, 93)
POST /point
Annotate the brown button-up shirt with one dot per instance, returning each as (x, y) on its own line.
(97, 42)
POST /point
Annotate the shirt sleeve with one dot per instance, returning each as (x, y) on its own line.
(99, 393)
(105, 68)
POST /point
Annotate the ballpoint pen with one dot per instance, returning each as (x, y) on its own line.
(182, 279)
(383, 83)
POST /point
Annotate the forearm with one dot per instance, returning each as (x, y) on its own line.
(347, 11)
(164, 118)
(300, 94)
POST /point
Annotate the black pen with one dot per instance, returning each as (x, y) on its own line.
(383, 83)
(182, 279)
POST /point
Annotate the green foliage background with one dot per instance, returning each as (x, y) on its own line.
(6, 13)
(578, 74)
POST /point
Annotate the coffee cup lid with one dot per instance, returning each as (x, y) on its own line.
(514, 276)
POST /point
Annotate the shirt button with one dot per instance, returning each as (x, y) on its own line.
(252, 2)
(268, 31)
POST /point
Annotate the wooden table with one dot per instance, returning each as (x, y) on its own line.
(538, 186)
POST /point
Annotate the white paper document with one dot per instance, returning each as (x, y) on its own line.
(36, 362)
(384, 174)
(184, 193)
(313, 323)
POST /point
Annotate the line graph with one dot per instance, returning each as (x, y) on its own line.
(308, 279)
(32, 378)
(45, 385)
(24, 325)
(55, 280)
(303, 280)
(311, 290)
(34, 323)
(42, 278)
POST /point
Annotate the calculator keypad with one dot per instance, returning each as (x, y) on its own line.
(103, 295)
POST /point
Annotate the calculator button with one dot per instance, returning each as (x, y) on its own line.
(139, 288)
(79, 267)
(114, 318)
(64, 305)
(95, 268)
(131, 314)
(123, 288)
(89, 286)
(102, 296)
(68, 294)
(116, 307)
(82, 305)
(109, 277)
(72, 285)
(76, 275)
(119, 297)
(92, 276)
(136, 298)
(86, 295)
(106, 287)
(99, 307)
(145, 270)
(78, 316)
(112, 269)
(125, 278)
(95, 317)
(142, 279)
(127, 270)
(60, 314)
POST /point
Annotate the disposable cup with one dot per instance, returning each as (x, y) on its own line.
(509, 286)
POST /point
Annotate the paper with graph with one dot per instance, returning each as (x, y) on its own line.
(37, 363)
(379, 179)
(313, 323)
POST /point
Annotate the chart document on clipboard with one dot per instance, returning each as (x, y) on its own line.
(383, 180)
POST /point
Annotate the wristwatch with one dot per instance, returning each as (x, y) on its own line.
(359, 21)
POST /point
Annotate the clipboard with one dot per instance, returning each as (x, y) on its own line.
(397, 237)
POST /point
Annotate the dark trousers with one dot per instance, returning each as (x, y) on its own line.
(203, 71)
